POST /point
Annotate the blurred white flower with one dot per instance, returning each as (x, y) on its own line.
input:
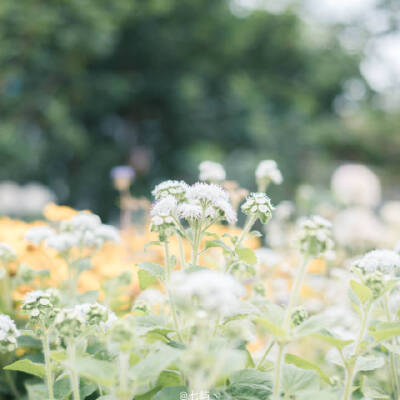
(108, 233)
(35, 197)
(151, 297)
(268, 257)
(390, 213)
(62, 242)
(214, 291)
(357, 228)
(38, 234)
(355, 184)
(384, 261)
(211, 171)
(7, 253)
(268, 171)
(8, 334)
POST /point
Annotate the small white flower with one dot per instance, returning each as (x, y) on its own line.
(268, 257)
(151, 297)
(315, 236)
(8, 334)
(384, 261)
(176, 189)
(267, 170)
(38, 234)
(62, 242)
(162, 215)
(259, 205)
(7, 253)
(82, 221)
(108, 233)
(211, 171)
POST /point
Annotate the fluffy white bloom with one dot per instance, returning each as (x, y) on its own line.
(357, 228)
(355, 184)
(207, 201)
(384, 261)
(284, 210)
(108, 233)
(315, 236)
(267, 170)
(38, 234)
(82, 221)
(34, 197)
(62, 242)
(390, 213)
(8, 334)
(150, 296)
(258, 204)
(268, 257)
(7, 253)
(211, 171)
(162, 213)
(176, 189)
(214, 291)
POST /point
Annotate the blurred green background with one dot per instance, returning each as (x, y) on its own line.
(164, 84)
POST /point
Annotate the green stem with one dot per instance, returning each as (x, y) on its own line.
(170, 297)
(47, 364)
(123, 376)
(71, 350)
(6, 293)
(11, 384)
(278, 367)
(350, 368)
(246, 230)
(392, 360)
(181, 252)
(196, 243)
(266, 352)
(298, 282)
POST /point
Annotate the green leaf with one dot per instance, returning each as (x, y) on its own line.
(296, 381)
(327, 337)
(171, 393)
(146, 279)
(218, 243)
(247, 255)
(362, 292)
(369, 363)
(305, 364)
(36, 391)
(169, 377)
(311, 325)
(372, 389)
(98, 371)
(273, 328)
(385, 331)
(156, 270)
(28, 367)
(148, 369)
(250, 384)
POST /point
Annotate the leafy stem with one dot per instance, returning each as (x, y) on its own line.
(278, 368)
(264, 356)
(47, 364)
(74, 378)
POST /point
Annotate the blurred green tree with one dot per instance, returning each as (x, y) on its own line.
(89, 84)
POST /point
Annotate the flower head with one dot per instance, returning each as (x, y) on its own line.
(162, 216)
(268, 171)
(62, 242)
(385, 261)
(315, 236)
(259, 205)
(7, 253)
(211, 171)
(176, 189)
(214, 291)
(8, 334)
(38, 234)
(41, 306)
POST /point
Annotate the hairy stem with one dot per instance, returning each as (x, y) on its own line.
(392, 360)
(278, 368)
(266, 352)
(47, 364)
(74, 378)
(123, 376)
(246, 230)
(181, 252)
(11, 384)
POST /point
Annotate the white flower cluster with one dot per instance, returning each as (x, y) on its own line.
(82, 230)
(315, 236)
(355, 184)
(211, 171)
(40, 305)
(268, 171)
(259, 205)
(176, 189)
(200, 201)
(7, 253)
(82, 319)
(213, 291)
(8, 334)
(385, 261)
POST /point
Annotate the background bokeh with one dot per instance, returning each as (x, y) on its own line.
(164, 84)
